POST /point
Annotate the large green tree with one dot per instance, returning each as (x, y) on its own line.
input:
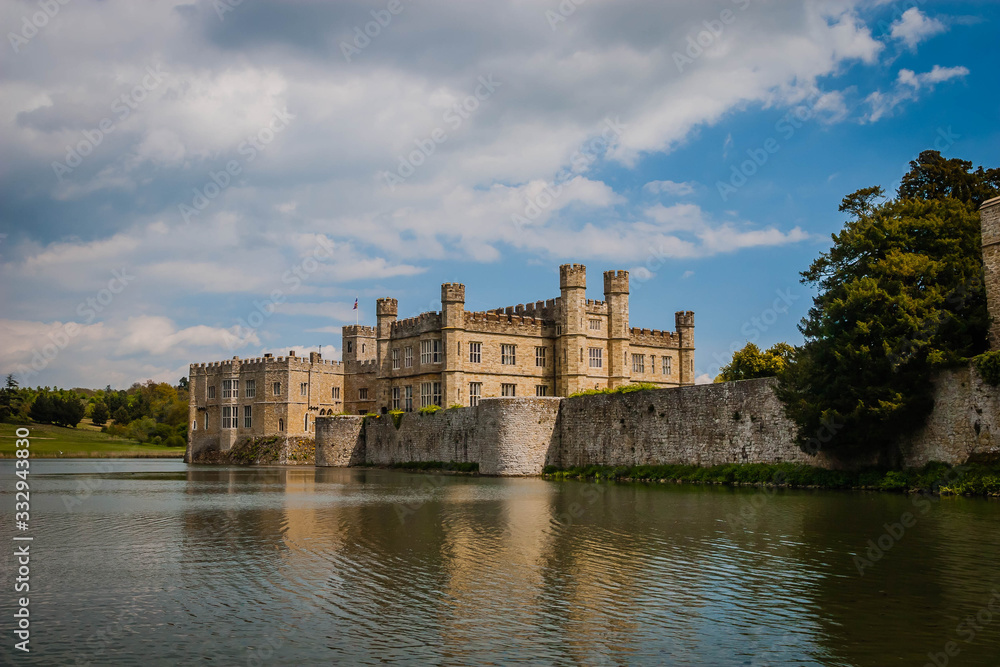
(899, 293)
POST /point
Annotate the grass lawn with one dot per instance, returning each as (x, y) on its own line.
(84, 441)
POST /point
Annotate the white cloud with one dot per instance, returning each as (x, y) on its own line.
(907, 88)
(914, 27)
(670, 187)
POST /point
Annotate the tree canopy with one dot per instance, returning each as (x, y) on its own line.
(750, 362)
(900, 292)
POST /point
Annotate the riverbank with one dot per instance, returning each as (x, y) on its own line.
(82, 442)
(937, 478)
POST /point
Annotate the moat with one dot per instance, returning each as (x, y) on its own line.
(270, 566)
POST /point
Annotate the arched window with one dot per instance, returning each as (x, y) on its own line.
(281, 424)
(305, 424)
(362, 348)
(322, 413)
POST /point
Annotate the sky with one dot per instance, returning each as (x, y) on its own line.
(187, 182)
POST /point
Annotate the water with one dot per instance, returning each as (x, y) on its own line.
(163, 563)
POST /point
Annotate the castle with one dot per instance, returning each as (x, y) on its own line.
(452, 357)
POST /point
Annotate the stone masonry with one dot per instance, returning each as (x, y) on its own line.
(730, 422)
(990, 215)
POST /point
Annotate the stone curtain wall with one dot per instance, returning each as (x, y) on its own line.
(965, 424)
(339, 441)
(990, 216)
(731, 422)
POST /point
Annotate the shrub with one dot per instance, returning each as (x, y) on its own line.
(397, 417)
(988, 365)
(429, 409)
(623, 389)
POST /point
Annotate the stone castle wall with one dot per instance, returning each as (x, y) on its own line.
(990, 215)
(732, 422)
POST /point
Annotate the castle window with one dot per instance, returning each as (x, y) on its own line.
(407, 357)
(430, 394)
(350, 346)
(666, 365)
(541, 390)
(363, 394)
(430, 351)
(507, 355)
(395, 398)
(230, 388)
(247, 416)
(335, 393)
(211, 391)
(596, 355)
(638, 363)
(475, 353)
(322, 413)
(228, 416)
(276, 388)
(508, 390)
(475, 393)
(194, 425)
(595, 325)
(559, 330)
(251, 388)
(281, 424)
(305, 422)
(303, 388)
(395, 360)
(408, 397)
(206, 421)
(362, 348)
(540, 357)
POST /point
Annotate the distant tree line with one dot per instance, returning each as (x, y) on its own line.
(150, 412)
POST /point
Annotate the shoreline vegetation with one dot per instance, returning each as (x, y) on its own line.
(974, 479)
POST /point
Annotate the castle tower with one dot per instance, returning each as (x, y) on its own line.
(684, 323)
(990, 215)
(386, 310)
(572, 337)
(616, 296)
(452, 334)
(358, 343)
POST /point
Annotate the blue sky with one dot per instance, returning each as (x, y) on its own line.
(239, 155)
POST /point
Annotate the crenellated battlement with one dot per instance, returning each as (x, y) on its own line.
(572, 276)
(452, 293)
(359, 330)
(262, 363)
(615, 282)
(413, 326)
(653, 337)
(386, 307)
(494, 322)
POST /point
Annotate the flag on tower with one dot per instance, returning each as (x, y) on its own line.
(355, 304)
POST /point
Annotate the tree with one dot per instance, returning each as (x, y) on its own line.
(182, 383)
(750, 362)
(10, 398)
(42, 410)
(101, 414)
(900, 293)
(933, 177)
